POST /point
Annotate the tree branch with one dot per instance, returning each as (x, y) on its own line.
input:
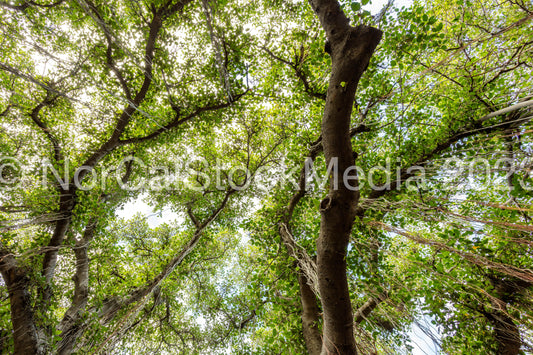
(67, 200)
(299, 73)
(110, 309)
(522, 274)
(109, 52)
(469, 130)
(364, 311)
(49, 100)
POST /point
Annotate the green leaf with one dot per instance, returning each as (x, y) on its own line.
(355, 6)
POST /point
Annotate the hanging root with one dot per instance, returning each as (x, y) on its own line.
(305, 262)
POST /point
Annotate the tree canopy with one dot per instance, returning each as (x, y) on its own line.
(333, 178)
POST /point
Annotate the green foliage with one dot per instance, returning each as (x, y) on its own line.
(451, 244)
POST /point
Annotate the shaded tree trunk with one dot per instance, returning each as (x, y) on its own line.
(351, 49)
(71, 327)
(67, 203)
(25, 332)
(310, 317)
(506, 333)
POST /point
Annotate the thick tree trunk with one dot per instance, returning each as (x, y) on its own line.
(310, 317)
(506, 333)
(71, 327)
(351, 49)
(25, 332)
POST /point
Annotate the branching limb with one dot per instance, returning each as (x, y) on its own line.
(471, 129)
(111, 307)
(67, 200)
(510, 270)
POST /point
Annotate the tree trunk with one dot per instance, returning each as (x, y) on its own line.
(70, 325)
(310, 317)
(351, 49)
(67, 202)
(506, 333)
(25, 333)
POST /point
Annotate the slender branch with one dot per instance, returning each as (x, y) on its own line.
(193, 218)
(109, 52)
(299, 73)
(49, 100)
(111, 308)
(364, 311)
(522, 274)
(471, 129)
(179, 120)
(67, 201)
(27, 77)
(6, 111)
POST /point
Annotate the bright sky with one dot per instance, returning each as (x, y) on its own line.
(154, 218)
(375, 6)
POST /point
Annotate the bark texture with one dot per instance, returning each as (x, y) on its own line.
(351, 50)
